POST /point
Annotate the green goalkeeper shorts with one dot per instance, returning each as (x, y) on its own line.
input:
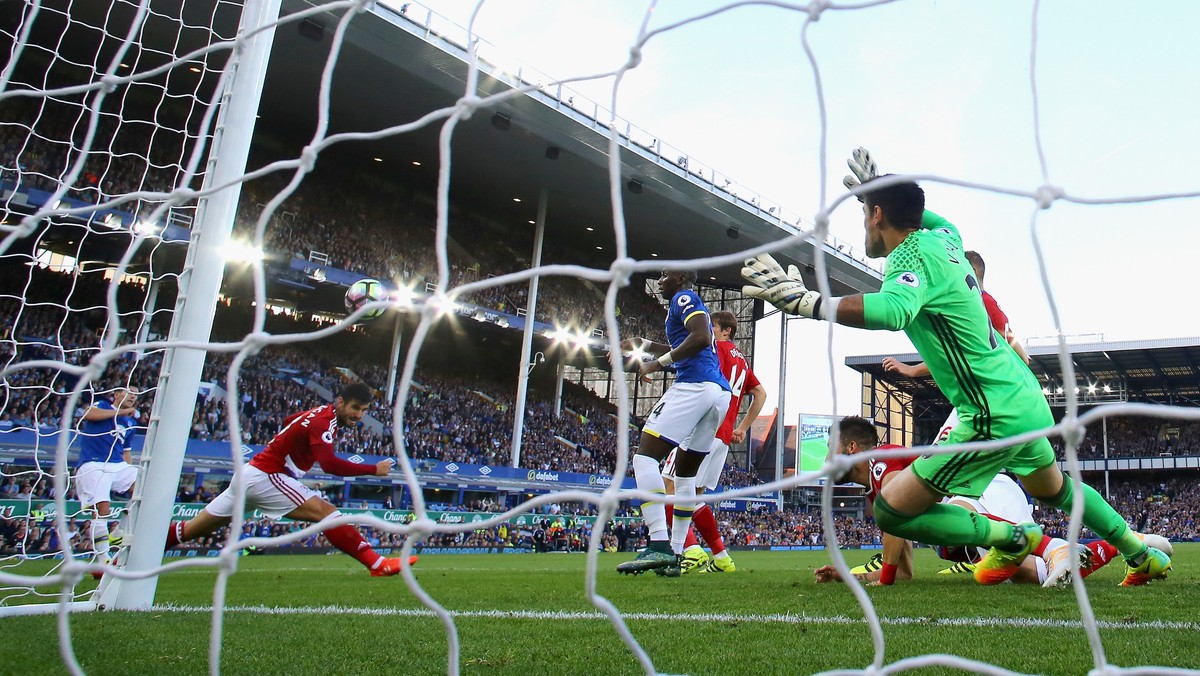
(969, 473)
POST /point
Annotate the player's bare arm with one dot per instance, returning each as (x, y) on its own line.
(123, 404)
(645, 345)
(758, 398)
(699, 338)
(1016, 345)
(891, 364)
(897, 553)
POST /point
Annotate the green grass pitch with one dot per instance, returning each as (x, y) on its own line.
(527, 614)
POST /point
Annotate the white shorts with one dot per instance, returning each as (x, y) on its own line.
(688, 415)
(951, 423)
(711, 467)
(95, 481)
(274, 495)
(1003, 499)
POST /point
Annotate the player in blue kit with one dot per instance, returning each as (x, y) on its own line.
(105, 442)
(687, 416)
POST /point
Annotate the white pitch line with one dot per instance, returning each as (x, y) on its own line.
(786, 618)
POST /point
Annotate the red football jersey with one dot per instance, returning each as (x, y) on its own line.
(995, 314)
(885, 466)
(307, 438)
(741, 379)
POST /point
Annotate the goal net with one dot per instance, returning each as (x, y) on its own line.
(129, 164)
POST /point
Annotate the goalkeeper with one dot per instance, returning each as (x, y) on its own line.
(930, 292)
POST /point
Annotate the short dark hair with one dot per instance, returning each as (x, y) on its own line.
(976, 260)
(726, 320)
(860, 430)
(357, 392)
(689, 276)
(903, 204)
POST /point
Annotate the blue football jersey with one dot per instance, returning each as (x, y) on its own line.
(703, 367)
(106, 440)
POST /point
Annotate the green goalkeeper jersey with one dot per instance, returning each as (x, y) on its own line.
(930, 291)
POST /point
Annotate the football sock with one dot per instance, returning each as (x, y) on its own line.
(349, 540)
(1047, 544)
(648, 478)
(685, 490)
(670, 512)
(705, 522)
(100, 539)
(948, 525)
(1102, 519)
(1102, 553)
(691, 540)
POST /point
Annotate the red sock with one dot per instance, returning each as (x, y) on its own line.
(349, 540)
(705, 522)
(175, 534)
(690, 540)
(670, 515)
(1102, 553)
(1040, 550)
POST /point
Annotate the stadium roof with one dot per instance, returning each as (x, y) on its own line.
(1165, 371)
(674, 213)
(393, 69)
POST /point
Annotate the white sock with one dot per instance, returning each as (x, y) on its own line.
(685, 491)
(646, 473)
(723, 554)
(99, 528)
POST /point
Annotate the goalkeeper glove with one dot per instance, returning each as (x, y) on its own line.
(864, 169)
(784, 290)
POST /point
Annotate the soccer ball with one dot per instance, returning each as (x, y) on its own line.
(362, 292)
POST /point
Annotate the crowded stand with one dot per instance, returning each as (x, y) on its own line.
(341, 219)
(1137, 438)
(1169, 507)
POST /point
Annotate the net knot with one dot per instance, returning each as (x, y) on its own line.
(821, 221)
(438, 303)
(840, 465)
(1046, 194)
(622, 269)
(1073, 432)
(308, 159)
(255, 342)
(815, 8)
(109, 83)
(467, 106)
(635, 57)
(422, 527)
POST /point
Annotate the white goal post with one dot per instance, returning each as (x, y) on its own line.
(200, 284)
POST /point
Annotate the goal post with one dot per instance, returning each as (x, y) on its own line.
(199, 287)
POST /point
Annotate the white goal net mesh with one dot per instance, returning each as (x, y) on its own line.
(106, 138)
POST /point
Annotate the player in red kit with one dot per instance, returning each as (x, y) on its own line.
(743, 383)
(856, 435)
(1002, 501)
(273, 487)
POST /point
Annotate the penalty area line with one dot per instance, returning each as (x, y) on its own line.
(784, 618)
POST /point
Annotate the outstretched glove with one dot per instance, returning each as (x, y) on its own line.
(864, 169)
(784, 290)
